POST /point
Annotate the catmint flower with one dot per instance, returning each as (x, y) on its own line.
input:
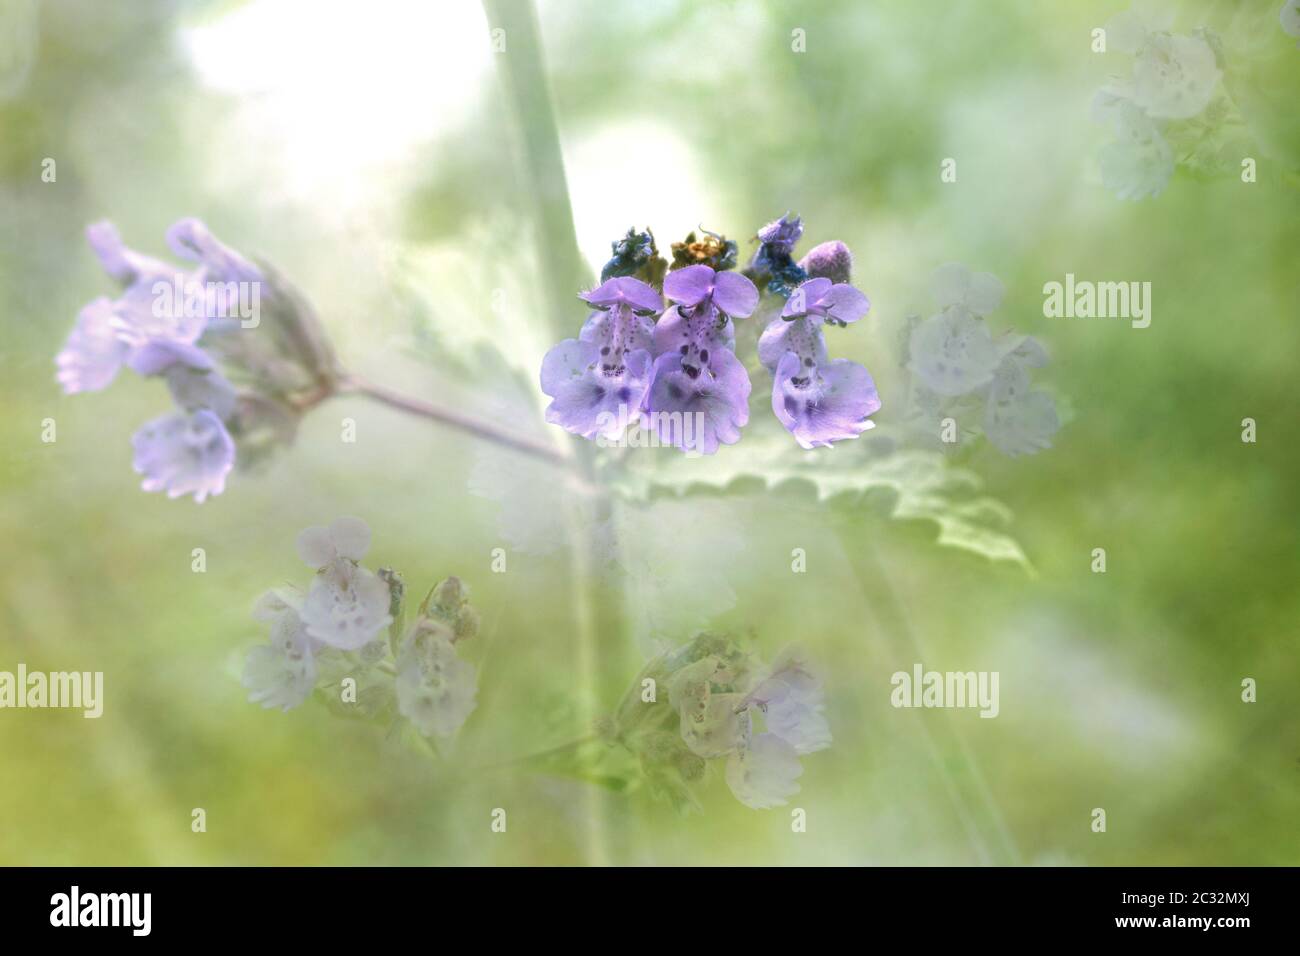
(953, 353)
(1018, 421)
(282, 673)
(191, 239)
(980, 293)
(154, 328)
(435, 689)
(762, 772)
(184, 454)
(1140, 163)
(1174, 77)
(598, 381)
(344, 540)
(1127, 32)
(829, 260)
(773, 266)
(347, 608)
(818, 400)
(636, 255)
(347, 605)
(710, 249)
(124, 265)
(1290, 17)
(696, 375)
(792, 701)
(93, 353)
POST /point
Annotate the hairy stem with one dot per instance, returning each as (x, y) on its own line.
(454, 419)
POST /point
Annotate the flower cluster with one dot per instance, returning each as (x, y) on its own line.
(335, 630)
(963, 373)
(723, 703)
(153, 331)
(1170, 107)
(176, 323)
(672, 368)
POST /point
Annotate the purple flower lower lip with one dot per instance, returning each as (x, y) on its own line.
(821, 404)
(594, 394)
(184, 454)
(696, 407)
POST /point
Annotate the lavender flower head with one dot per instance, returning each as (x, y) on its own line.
(153, 328)
(598, 381)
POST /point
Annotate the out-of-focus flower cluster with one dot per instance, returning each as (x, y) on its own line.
(713, 701)
(343, 638)
(672, 368)
(187, 325)
(1169, 109)
(965, 380)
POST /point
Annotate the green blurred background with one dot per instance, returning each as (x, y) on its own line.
(371, 152)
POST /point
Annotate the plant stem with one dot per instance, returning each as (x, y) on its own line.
(597, 624)
(454, 419)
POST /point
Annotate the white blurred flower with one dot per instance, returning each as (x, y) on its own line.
(435, 688)
(952, 353)
(283, 672)
(762, 773)
(345, 538)
(1290, 17)
(347, 606)
(1140, 162)
(954, 285)
(1019, 421)
(793, 703)
(1174, 77)
(1128, 31)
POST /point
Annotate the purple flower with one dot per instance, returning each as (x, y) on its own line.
(283, 672)
(597, 382)
(830, 260)
(699, 391)
(184, 454)
(823, 300)
(592, 392)
(93, 353)
(782, 234)
(697, 407)
(125, 265)
(821, 404)
(819, 400)
(190, 239)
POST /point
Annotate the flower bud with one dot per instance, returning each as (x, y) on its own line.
(829, 260)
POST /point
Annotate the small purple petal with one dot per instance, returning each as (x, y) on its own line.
(734, 294)
(184, 454)
(92, 355)
(824, 404)
(158, 355)
(689, 286)
(844, 304)
(190, 239)
(803, 299)
(121, 263)
(625, 289)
